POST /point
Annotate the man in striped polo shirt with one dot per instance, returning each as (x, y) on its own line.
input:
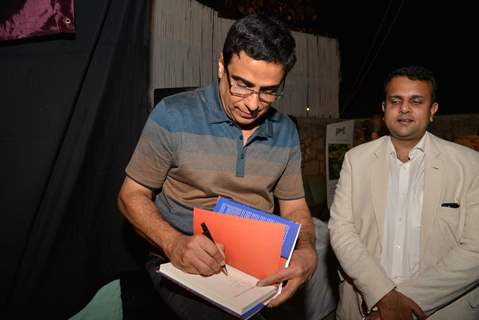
(223, 140)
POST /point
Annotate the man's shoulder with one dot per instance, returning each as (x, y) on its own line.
(368, 148)
(180, 107)
(282, 119)
(188, 100)
(284, 128)
(456, 151)
(453, 145)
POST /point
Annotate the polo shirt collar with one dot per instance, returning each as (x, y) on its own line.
(265, 130)
(215, 111)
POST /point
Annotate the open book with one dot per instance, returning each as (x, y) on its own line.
(236, 293)
(253, 247)
(252, 251)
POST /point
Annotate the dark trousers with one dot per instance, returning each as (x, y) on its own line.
(186, 305)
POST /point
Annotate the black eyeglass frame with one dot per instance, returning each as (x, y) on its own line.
(278, 94)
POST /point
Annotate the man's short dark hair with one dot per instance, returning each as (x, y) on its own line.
(261, 37)
(414, 73)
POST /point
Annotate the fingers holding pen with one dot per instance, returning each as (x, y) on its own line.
(197, 254)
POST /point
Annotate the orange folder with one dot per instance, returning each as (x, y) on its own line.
(252, 246)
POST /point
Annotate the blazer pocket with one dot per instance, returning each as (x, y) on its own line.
(449, 222)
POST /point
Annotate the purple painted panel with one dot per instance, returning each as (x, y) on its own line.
(31, 18)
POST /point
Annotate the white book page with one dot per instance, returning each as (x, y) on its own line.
(237, 290)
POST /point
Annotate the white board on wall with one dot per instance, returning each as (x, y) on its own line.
(339, 139)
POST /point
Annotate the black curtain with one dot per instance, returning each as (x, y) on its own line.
(71, 111)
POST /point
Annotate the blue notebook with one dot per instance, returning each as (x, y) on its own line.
(231, 207)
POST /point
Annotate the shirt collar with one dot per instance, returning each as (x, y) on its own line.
(265, 130)
(418, 148)
(216, 113)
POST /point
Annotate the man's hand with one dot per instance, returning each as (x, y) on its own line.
(301, 268)
(396, 306)
(304, 259)
(373, 316)
(196, 254)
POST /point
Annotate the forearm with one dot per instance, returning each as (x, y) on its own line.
(350, 248)
(145, 217)
(306, 236)
(365, 271)
(449, 279)
(304, 259)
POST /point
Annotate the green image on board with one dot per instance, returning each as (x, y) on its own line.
(336, 152)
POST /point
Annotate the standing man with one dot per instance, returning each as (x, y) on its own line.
(222, 140)
(405, 218)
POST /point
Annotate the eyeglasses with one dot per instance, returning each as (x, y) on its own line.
(266, 95)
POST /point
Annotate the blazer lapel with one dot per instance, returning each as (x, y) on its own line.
(433, 172)
(379, 183)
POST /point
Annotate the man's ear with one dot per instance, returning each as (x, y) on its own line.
(221, 66)
(434, 108)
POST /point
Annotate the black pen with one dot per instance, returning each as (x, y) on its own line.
(207, 233)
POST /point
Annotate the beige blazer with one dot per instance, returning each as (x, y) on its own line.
(447, 285)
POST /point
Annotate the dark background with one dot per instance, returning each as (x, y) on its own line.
(376, 37)
(71, 110)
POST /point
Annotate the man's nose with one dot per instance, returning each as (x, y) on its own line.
(252, 101)
(404, 107)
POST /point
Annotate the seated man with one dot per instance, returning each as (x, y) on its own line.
(222, 140)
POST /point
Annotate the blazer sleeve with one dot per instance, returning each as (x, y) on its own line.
(458, 271)
(365, 271)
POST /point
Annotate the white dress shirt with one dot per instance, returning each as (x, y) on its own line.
(402, 218)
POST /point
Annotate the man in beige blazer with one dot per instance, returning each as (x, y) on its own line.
(405, 218)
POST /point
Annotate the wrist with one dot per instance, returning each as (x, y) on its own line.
(306, 243)
(388, 299)
(169, 243)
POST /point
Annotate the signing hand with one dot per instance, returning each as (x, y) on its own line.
(301, 268)
(196, 254)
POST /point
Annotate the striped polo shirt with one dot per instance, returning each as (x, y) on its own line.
(192, 151)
